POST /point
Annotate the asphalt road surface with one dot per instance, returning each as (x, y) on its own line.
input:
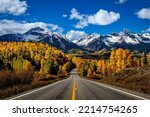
(76, 88)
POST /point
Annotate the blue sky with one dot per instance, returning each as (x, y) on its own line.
(87, 15)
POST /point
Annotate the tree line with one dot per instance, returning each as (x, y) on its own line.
(39, 59)
(119, 60)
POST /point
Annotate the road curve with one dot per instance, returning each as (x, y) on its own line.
(76, 88)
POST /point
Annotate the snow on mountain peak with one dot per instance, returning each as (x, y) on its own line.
(87, 39)
(37, 34)
(35, 30)
(125, 37)
(146, 35)
(95, 35)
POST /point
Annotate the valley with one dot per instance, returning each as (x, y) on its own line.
(88, 44)
(40, 57)
(29, 65)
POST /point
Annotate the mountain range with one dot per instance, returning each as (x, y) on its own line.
(94, 42)
(40, 35)
(124, 39)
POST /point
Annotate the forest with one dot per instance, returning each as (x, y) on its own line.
(123, 68)
(27, 65)
(118, 61)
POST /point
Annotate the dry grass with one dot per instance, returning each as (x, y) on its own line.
(137, 79)
(9, 78)
(12, 83)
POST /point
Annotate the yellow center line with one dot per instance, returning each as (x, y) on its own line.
(74, 90)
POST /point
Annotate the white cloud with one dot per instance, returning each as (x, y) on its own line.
(144, 13)
(120, 1)
(102, 17)
(75, 14)
(74, 36)
(81, 17)
(147, 30)
(64, 15)
(11, 26)
(15, 7)
(55, 28)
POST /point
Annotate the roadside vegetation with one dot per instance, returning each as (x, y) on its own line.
(122, 68)
(26, 65)
(137, 79)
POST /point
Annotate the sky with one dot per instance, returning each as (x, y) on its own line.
(75, 18)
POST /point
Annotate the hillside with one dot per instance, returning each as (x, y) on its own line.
(89, 43)
(26, 65)
(125, 39)
(136, 79)
(40, 35)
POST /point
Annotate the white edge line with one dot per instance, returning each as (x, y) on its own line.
(119, 90)
(35, 90)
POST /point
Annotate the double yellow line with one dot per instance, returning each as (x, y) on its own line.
(74, 90)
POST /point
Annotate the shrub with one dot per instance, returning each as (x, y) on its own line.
(10, 78)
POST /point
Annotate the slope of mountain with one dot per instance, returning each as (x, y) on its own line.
(124, 39)
(40, 35)
(93, 42)
(87, 39)
(11, 37)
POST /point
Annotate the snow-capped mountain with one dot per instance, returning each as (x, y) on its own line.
(94, 42)
(146, 38)
(36, 34)
(40, 35)
(87, 39)
(124, 39)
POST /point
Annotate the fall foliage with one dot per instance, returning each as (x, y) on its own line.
(37, 57)
(42, 62)
(118, 61)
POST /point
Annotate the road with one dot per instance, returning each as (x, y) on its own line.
(76, 88)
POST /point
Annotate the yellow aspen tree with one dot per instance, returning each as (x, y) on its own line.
(89, 73)
(27, 65)
(99, 66)
(112, 61)
(104, 67)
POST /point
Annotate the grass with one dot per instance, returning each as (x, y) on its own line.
(9, 78)
(137, 79)
(12, 83)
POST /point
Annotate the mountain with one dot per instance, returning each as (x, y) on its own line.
(40, 35)
(87, 39)
(124, 39)
(92, 42)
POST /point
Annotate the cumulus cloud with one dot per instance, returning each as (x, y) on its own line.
(76, 15)
(81, 17)
(54, 28)
(120, 1)
(74, 36)
(12, 26)
(102, 17)
(144, 13)
(147, 30)
(64, 15)
(15, 7)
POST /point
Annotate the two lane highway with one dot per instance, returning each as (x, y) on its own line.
(76, 88)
